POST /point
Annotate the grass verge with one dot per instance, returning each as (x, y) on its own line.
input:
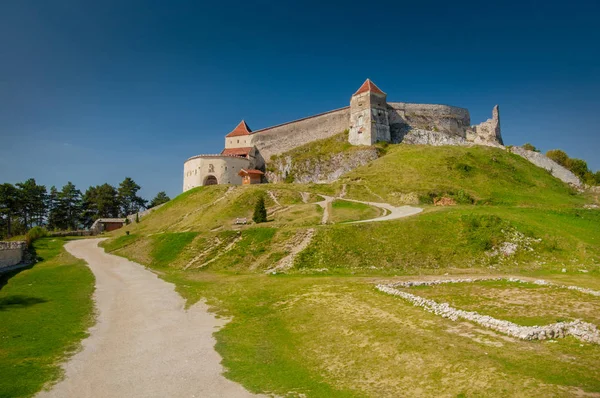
(45, 312)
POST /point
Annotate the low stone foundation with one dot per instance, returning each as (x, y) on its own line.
(583, 331)
(11, 253)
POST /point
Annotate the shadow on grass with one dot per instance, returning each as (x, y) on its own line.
(4, 278)
(19, 301)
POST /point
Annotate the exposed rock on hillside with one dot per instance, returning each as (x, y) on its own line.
(318, 169)
(426, 137)
(546, 163)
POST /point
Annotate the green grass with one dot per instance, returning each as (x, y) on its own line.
(489, 175)
(45, 312)
(458, 237)
(345, 211)
(525, 304)
(331, 336)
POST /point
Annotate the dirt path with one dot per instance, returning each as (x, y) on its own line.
(145, 344)
(389, 212)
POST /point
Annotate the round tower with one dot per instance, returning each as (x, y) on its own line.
(369, 121)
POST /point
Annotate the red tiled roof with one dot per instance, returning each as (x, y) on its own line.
(250, 171)
(237, 151)
(240, 129)
(368, 85)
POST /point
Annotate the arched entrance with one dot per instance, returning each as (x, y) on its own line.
(210, 180)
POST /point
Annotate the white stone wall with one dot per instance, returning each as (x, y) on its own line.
(241, 141)
(11, 253)
(225, 168)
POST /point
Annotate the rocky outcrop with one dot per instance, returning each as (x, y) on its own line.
(426, 137)
(318, 170)
(546, 163)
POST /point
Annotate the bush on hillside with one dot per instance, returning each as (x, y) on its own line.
(260, 211)
(558, 156)
(578, 167)
(34, 234)
(530, 147)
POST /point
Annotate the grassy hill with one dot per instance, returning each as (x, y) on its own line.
(321, 329)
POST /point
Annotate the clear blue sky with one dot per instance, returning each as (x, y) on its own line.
(93, 91)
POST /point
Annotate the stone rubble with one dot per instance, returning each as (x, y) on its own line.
(583, 331)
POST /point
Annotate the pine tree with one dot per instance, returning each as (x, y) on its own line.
(260, 211)
(129, 201)
(160, 198)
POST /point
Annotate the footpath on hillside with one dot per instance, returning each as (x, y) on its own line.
(145, 343)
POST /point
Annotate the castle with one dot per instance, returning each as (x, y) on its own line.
(369, 119)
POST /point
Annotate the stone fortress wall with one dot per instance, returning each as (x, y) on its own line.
(369, 118)
(284, 137)
(198, 170)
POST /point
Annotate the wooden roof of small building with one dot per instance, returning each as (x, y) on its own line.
(250, 172)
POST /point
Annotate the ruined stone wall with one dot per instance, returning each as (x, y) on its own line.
(11, 253)
(487, 132)
(404, 117)
(284, 137)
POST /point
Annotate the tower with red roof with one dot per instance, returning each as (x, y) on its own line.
(369, 122)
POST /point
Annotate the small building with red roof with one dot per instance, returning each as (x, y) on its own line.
(251, 176)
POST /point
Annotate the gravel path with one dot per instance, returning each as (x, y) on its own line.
(144, 344)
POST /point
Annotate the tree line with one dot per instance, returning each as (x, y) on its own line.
(26, 204)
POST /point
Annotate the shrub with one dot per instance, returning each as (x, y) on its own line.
(463, 167)
(463, 198)
(558, 156)
(260, 211)
(289, 178)
(530, 147)
(34, 234)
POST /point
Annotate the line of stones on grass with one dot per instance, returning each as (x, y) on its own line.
(540, 282)
(583, 331)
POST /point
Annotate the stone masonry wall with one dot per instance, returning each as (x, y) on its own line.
(284, 137)
(11, 253)
(446, 119)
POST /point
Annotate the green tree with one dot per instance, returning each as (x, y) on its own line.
(9, 198)
(66, 213)
(32, 203)
(159, 199)
(260, 211)
(558, 156)
(579, 167)
(530, 147)
(129, 201)
(99, 202)
(52, 205)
